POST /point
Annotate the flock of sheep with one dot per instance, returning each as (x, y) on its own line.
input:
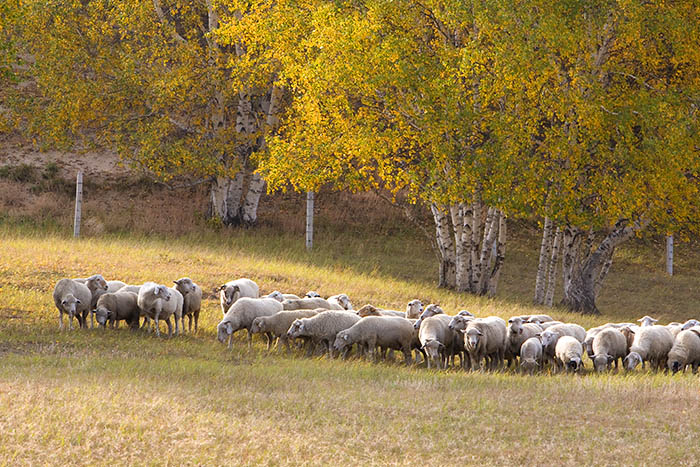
(529, 342)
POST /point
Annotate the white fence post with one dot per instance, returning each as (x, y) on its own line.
(309, 220)
(78, 203)
(669, 254)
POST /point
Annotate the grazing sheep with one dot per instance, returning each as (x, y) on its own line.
(233, 290)
(192, 304)
(430, 310)
(436, 338)
(388, 332)
(73, 298)
(115, 307)
(371, 310)
(568, 352)
(628, 332)
(539, 319)
(549, 324)
(689, 324)
(651, 344)
(685, 351)
(280, 297)
(342, 300)
(590, 335)
(485, 338)
(307, 304)
(160, 302)
(414, 309)
(241, 316)
(647, 321)
(569, 329)
(278, 324)
(608, 346)
(517, 333)
(530, 355)
(322, 328)
(98, 286)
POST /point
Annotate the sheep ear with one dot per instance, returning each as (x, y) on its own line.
(78, 301)
(479, 332)
(176, 282)
(345, 337)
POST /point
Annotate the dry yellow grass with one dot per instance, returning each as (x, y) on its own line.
(117, 397)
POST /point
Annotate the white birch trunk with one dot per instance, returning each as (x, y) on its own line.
(500, 256)
(474, 244)
(309, 220)
(490, 235)
(226, 198)
(446, 247)
(78, 204)
(545, 252)
(669, 255)
(461, 248)
(552, 273)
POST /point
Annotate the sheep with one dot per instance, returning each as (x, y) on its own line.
(628, 332)
(459, 323)
(130, 288)
(647, 321)
(371, 310)
(73, 298)
(486, 338)
(342, 300)
(280, 297)
(549, 324)
(312, 294)
(608, 346)
(233, 290)
(430, 310)
(387, 332)
(517, 333)
(160, 302)
(241, 316)
(115, 307)
(675, 328)
(568, 352)
(651, 344)
(322, 328)
(98, 286)
(539, 319)
(278, 324)
(308, 304)
(689, 324)
(569, 329)
(414, 309)
(192, 305)
(590, 335)
(530, 354)
(465, 313)
(685, 351)
(436, 338)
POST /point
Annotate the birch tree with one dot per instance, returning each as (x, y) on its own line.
(155, 81)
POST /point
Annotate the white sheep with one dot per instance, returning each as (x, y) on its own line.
(568, 353)
(430, 310)
(371, 310)
(651, 344)
(485, 338)
(278, 324)
(560, 330)
(387, 332)
(539, 319)
(115, 307)
(685, 351)
(647, 321)
(322, 328)
(414, 309)
(459, 323)
(241, 316)
(233, 290)
(312, 294)
(73, 298)
(608, 346)
(160, 302)
(130, 288)
(689, 324)
(192, 301)
(592, 332)
(308, 304)
(530, 355)
(517, 333)
(549, 324)
(98, 286)
(280, 297)
(342, 300)
(436, 338)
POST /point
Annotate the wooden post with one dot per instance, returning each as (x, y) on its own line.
(669, 254)
(78, 203)
(309, 220)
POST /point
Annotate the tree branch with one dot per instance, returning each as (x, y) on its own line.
(163, 19)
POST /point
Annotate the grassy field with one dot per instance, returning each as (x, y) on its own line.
(117, 397)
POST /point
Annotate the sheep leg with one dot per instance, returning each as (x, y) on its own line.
(250, 339)
(196, 321)
(170, 327)
(60, 320)
(71, 322)
(178, 319)
(155, 319)
(92, 319)
(230, 342)
(407, 356)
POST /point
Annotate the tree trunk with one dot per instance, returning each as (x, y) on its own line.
(586, 277)
(446, 247)
(545, 252)
(490, 235)
(553, 263)
(500, 255)
(474, 244)
(457, 213)
(226, 199)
